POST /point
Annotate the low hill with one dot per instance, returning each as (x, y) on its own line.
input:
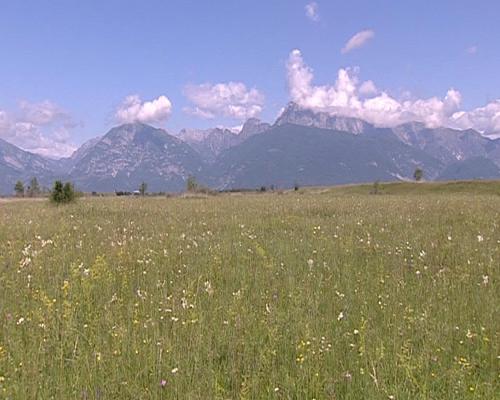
(475, 187)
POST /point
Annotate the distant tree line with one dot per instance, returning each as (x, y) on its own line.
(32, 190)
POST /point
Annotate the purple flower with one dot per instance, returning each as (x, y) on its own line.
(163, 383)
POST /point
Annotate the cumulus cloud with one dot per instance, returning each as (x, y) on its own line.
(484, 119)
(368, 88)
(43, 128)
(232, 99)
(358, 40)
(347, 96)
(312, 11)
(133, 109)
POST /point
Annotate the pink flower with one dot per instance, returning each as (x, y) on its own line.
(163, 383)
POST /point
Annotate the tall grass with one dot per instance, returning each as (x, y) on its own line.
(298, 296)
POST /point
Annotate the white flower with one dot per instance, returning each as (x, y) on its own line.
(480, 238)
(341, 316)
(174, 371)
(310, 263)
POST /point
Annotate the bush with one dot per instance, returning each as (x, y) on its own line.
(62, 193)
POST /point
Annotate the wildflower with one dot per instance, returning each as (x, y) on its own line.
(20, 321)
(208, 288)
(486, 280)
(480, 238)
(163, 383)
(341, 316)
(175, 370)
(310, 263)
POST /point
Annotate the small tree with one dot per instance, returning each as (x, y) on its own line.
(57, 194)
(19, 189)
(191, 184)
(34, 188)
(143, 188)
(418, 174)
(62, 193)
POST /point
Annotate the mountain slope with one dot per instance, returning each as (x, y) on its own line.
(17, 164)
(209, 143)
(472, 168)
(132, 153)
(289, 154)
(447, 145)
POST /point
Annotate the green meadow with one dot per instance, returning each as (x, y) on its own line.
(315, 294)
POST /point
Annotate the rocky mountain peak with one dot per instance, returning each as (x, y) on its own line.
(253, 126)
(297, 115)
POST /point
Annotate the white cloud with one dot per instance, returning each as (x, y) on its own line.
(42, 128)
(347, 97)
(368, 88)
(358, 40)
(484, 119)
(42, 113)
(232, 99)
(312, 11)
(133, 109)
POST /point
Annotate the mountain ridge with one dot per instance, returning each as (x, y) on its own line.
(131, 153)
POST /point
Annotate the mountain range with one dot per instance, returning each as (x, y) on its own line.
(302, 147)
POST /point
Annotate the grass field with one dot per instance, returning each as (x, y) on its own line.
(322, 294)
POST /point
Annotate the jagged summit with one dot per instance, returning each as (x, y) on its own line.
(297, 115)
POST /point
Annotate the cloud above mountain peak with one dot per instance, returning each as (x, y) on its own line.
(133, 109)
(347, 96)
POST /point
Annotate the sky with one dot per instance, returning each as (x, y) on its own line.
(71, 69)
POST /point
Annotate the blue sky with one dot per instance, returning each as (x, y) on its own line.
(67, 67)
